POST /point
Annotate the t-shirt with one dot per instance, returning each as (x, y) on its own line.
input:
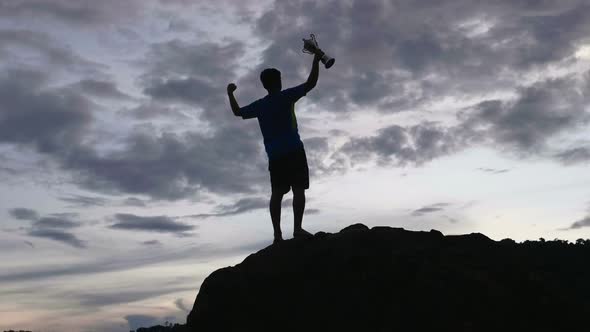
(276, 117)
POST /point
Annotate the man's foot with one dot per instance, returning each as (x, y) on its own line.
(277, 239)
(302, 234)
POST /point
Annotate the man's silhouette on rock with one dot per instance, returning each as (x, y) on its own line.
(287, 161)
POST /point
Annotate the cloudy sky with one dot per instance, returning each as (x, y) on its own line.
(125, 179)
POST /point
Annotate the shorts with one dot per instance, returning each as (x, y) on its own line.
(289, 171)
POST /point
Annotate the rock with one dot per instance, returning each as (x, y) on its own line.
(390, 279)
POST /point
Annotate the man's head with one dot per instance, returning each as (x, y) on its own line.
(271, 79)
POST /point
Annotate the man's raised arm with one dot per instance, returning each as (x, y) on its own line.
(232, 100)
(312, 80)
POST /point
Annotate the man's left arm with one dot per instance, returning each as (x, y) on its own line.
(312, 80)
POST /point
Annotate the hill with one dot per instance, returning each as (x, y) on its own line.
(391, 279)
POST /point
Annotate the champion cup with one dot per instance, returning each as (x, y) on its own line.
(310, 46)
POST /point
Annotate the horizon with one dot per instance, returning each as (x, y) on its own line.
(125, 179)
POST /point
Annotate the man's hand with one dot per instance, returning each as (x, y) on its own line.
(235, 108)
(318, 55)
(231, 88)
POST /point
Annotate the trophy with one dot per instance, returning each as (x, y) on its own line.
(310, 46)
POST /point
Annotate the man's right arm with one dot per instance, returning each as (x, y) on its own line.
(232, 99)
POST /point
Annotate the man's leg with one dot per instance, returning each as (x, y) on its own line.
(298, 209)
(275, 214)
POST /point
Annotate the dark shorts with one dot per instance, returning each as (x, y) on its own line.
(289, 171)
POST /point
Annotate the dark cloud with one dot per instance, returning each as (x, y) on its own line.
(241, 206)
(134, 201)
(402, 145)
(100, 89)
(171, 166)
(24, 214)
(50, 121)
(167, 166)
(493, 170)
(57, 235)
(429, 209)
(151, 243)
(580, 224)
(318, 151)
(107, 298)
(29, 243)
(451, 219)
(407, 58)
(77, 13)
(575, 155)
(527, 122)
(54, 222)
(127, 261)
(523, 126)
(193, 73)
(179, 303)
(48, 53)
(312, 211)
(155, 110)
(160, 224)
(52, 227)
(84, 201)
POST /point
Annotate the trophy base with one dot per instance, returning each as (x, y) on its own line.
(327, 61)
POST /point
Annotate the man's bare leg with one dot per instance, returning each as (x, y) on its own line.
(298, 209)
(275, 214)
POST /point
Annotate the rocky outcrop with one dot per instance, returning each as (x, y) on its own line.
(390, 279)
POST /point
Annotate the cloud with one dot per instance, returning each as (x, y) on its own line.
(171, 166)
(493, 170)
(107, 298)
(429, 209)
(134, 201)
(155, 110)
(403, 145)
(56, 122)
(52, 227)
(54, 222)
(84, 201)
(585, 222)
(48, 120)
(160, 224)
(576, 155)
(57, 235)
(100, 89)
(527, 122)
(151, 243)
(179, 303)
(76, 13)
(127, 261)
(312, 211)
(403, 62)
(192, 73)
(23, 214)
(522, 126)
(44, 52)
(241, 206)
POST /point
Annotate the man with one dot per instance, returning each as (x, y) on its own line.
(287, 162)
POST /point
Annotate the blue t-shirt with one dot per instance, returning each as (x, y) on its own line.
(276, 117)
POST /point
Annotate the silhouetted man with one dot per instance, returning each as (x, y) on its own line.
(287, 162)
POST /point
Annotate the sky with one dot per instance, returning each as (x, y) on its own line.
(125, 179)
